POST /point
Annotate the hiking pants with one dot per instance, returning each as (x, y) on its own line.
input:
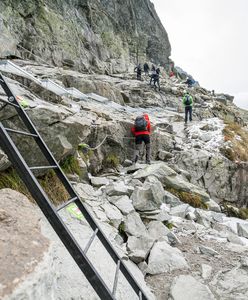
(156, 80)
(138, 76)
(188, 112)
(138, 145)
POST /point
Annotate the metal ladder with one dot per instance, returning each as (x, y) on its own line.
(51, 212)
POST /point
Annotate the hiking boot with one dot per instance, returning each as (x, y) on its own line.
(148, 162)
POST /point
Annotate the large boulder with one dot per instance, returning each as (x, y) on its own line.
(186, 287)
(164, 258)
(149, 196)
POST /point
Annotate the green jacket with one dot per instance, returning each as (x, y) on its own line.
(190, 99)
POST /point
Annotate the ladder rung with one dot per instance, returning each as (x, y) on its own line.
(21, 132)
(116, 277)
(43, 167)
(90, 241)
(140, 295)
(66, 203)
(9, 103)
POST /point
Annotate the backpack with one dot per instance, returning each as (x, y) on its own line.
(188, 100)
(140, 124)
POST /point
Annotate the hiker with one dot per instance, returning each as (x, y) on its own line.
(141, 130)
(188, 103)
(153, 74)
(146, 69)
(138, 70)
(190, 82)
(155, 78)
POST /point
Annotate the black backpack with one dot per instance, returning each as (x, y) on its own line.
(188, 100)
(140, 124)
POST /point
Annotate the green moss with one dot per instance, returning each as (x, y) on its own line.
(70, 165)
(168, 225)
(121, 228)
(111, 161)
(190, 198)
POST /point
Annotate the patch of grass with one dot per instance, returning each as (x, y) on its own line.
(49, 182)
(237, 150)
(111, 161)
(70, 165)
(232, 211)
(121, 228)
(54, 188)
(169, 225)
(10, 179)
(190, 198)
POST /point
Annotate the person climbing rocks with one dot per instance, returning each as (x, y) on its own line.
(146, 69)
(190, 82)
(138, 70)
(141, 130)
(188, 103)
(155, 78)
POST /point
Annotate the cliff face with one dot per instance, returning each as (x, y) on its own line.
(98, 35)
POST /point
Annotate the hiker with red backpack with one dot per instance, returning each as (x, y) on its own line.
(141, 130)
(188, 103)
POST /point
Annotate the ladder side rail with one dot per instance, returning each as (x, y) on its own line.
(30, 126)
(54, 219)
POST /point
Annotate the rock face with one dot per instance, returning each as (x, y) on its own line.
(103, 36)
(22, 243)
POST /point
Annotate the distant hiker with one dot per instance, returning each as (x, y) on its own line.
(188, 103)
(213, 93)
(141, 130)
(146, 69)
(155, 78)
(138, 70)
(190, 82)
(153, 68)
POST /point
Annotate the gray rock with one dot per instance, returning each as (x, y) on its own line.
(113, 214)
(180, 210)
(158, 231)
(164, 155)
(173, 239)
(127, 163)
(4, 162)
(186, 287)
(206, 271)
(99, 181)
(208, 251)
(139, 247)
(243, 230)
(123, 203)
(148, 197)
(164, 258)
(231, 284)
(85, 191)
(133, 225)
(212, 205)
(117, 189)
(171, 199)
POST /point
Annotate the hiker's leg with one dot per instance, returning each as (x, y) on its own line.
(186, 114)
(148, 148)
(138, 146)
(190, 113)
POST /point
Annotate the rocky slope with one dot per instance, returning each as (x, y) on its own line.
(102, 36)
(170, 220)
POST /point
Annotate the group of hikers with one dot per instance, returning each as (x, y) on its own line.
(154, 76)
(142, 129)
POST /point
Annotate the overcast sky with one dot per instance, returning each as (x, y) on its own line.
(209, 40)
